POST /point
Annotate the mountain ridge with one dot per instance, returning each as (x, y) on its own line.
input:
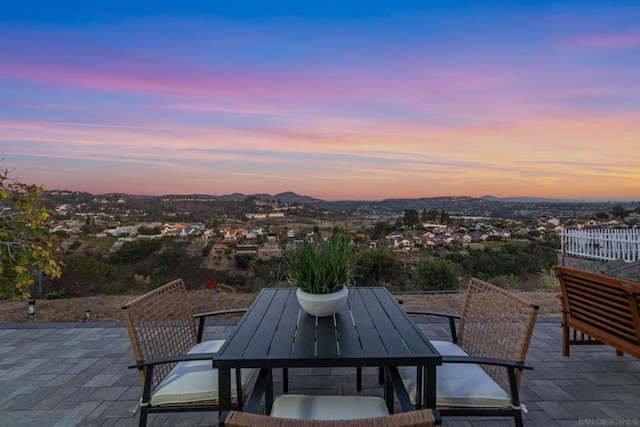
(292, 197)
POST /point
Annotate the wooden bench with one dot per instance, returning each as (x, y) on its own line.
(599, 309)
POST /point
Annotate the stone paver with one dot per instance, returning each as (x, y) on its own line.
(76, 375)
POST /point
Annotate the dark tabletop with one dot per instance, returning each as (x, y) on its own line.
(372, 329)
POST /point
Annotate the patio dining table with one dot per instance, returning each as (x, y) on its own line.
(372, 329)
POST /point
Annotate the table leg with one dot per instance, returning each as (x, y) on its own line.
(268, 394)
(420, 387)
(388, 389)
(224, 390)
(430, 387)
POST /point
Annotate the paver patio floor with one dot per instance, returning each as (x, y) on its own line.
(75, 374)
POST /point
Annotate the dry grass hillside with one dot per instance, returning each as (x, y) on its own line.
(108, 308)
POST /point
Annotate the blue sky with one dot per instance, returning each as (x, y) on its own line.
(337, 100)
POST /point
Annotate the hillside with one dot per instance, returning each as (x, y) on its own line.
(108, 308)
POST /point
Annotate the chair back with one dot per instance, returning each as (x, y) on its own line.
(160, 324)
(496, 323)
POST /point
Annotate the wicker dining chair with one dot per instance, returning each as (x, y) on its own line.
(483, 362)
(175, 365)
(330, 405)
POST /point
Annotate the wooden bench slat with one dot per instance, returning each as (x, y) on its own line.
(596, 322)
(617, 318)
(614, 309)
(603, 293)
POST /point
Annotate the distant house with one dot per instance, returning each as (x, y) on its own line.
(123, 230)
(553, 221)
(194, 229)
(208, 234)
(174, 229)
(405, 244)
(234, 234)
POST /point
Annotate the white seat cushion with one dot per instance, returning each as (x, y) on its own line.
(460, 384)
(328, 407)
(197, 381)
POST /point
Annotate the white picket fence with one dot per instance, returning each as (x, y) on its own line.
(602, 244)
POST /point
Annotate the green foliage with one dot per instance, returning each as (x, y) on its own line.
(619, 211)
(168, 260)
(431, 215)
(243, 261)
(510, 281)
(75, 245)
(321, 268)
(26, 243)
(86, 275)
(411, 218)
(136, 250)
(381, 229)
(143, 230)
(548, 279)
(437, 275)
(84, 268)
(506, 259)
(117, 287)
(376, 265)
(277, 276)
(206, 249)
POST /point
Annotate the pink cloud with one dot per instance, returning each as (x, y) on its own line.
(604, 42)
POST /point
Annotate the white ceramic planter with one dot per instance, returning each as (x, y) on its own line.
(322, 305)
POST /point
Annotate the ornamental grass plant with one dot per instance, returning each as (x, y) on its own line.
(321, 268)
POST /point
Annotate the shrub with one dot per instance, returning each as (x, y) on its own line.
(433, 275)
(137, 250)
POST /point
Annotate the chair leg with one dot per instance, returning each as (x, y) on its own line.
(285, 380)
(359, 379)
(518, 419)
(565, 340)
(143, 417)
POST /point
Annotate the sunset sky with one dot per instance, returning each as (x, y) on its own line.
(330, 99)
